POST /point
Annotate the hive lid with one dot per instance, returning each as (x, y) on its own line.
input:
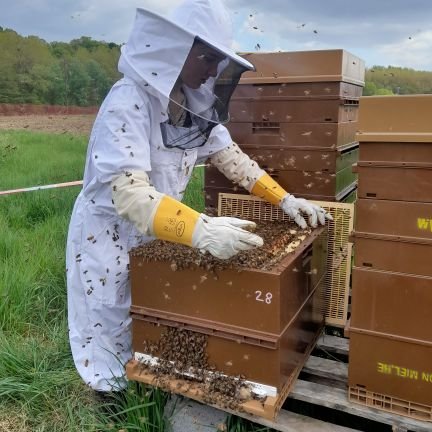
(394, 118)
(304, 66)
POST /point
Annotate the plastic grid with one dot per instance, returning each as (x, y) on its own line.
(390, 404)
(339, 248)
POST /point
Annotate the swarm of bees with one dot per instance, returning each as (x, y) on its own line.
(182, 355)
(276, 235)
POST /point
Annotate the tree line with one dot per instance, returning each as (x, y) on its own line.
(82, 71)
(382, 80)
(58, 73)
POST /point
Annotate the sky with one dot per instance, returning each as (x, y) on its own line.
(381, 32)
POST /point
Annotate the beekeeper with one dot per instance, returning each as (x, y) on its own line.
(163, 117)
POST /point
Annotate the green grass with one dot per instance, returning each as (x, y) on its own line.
(29, 159)
(40, 390)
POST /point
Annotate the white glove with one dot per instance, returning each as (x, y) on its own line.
(294, 207)
(224, 237)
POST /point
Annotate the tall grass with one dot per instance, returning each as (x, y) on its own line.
(28, 159)
(40, 390)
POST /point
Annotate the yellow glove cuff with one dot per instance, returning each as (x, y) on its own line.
(265, 187)
(174, 221)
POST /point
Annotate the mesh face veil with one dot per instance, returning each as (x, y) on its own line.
(200, 98)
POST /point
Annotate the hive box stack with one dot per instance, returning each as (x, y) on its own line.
(390, 364)
(297, 117)
(261, 324)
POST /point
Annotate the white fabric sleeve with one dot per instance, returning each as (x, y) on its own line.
(135, 199)
(237, 166)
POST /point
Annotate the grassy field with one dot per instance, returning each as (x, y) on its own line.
(39, 387)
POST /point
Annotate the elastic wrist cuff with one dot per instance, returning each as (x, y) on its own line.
(174, 221)
(266, 188)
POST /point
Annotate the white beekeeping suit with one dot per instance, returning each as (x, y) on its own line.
(155, 124)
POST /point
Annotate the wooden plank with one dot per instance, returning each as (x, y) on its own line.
(288, 421)
(333, 344)
(191, 416)
(187, 415)
(326, 368)
(335, 398)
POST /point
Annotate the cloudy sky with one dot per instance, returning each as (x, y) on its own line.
(383, 32)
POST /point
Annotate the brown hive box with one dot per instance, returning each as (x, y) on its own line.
(393, 253)
(298, 135)
(283, 158)
(415, 151)
(396, 370)
(293, 111)
(392, 303)
(395, 118)
(248, 301)
(396, 130)
(396, 181)
(407, 219)
(402, 227)
(304, 67)
(297, 91)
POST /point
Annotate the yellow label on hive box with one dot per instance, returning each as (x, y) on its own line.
(424, 224)
(403, 372)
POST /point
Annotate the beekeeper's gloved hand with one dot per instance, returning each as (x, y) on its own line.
(238, 167)
(224, 237)
(295, 208)
(156, 214)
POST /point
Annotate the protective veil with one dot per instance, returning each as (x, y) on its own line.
(130, 134)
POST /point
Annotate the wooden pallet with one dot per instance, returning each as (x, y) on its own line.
(323, 383)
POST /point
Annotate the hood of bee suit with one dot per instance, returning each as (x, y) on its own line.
(158, 46)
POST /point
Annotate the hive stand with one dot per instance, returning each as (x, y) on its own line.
(322, 384)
